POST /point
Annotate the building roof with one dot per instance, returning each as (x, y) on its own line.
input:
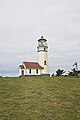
(42, 38)
(21, 66)
(33, 65)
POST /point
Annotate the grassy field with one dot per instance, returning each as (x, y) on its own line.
(40, 98)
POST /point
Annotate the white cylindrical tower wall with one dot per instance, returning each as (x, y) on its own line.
(42, 59)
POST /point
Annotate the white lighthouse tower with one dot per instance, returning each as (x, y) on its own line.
(42, 51)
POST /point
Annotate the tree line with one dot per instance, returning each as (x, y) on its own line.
(74, 71)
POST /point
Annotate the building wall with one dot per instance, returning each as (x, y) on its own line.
(33, 72)
(19, 71)
(26, 72)
(43, 56)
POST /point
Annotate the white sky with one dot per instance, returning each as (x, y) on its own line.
(22, 22)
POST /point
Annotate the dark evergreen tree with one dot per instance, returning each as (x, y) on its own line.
(59, 72)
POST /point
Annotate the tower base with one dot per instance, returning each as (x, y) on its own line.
(45, 74)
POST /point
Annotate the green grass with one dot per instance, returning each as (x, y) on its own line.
(40, 98)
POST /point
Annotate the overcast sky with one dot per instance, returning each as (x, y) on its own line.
(22, 22)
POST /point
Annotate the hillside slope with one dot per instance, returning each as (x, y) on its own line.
(40, 98)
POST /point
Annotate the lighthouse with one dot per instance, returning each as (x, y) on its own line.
(40, 67)
(42, 51)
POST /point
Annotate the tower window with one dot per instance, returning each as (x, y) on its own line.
(30, 71)
(37, 71)
(45, 62)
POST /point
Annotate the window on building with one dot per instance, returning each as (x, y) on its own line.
(37, 71)
(30, 71)
(45, 62)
